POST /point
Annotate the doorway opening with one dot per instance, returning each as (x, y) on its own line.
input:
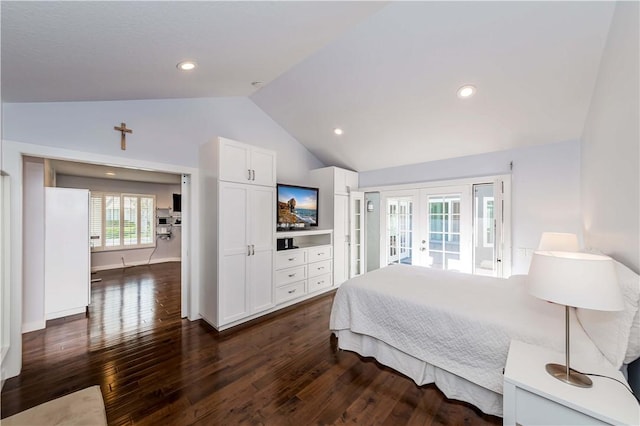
(133, 221)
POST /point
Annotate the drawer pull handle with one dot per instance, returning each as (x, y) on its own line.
(292, 275)
(292, 291)
(321, 267)
(291, 259)
(321, 282)
(320, 254)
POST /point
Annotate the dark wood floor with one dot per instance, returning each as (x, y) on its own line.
(155, 368)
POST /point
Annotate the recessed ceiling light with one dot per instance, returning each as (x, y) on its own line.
(110, 174)
(338, 131)
(466, 91)
(186, 65)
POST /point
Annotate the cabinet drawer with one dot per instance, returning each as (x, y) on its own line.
(319, 253)
(532, 409)
(289, 258)
(289, 275)
(319, 268)
(290, 291)
(319, 282)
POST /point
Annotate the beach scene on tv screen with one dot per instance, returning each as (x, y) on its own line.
(297, 205)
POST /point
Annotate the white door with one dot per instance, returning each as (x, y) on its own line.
(235, 161)
(67, 253)
(341, 239)
(356, 204)
(234, 252)
(261, 228)
(490, 229)
(445, 228)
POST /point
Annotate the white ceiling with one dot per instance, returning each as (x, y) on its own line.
(386, 73)
(106, 50)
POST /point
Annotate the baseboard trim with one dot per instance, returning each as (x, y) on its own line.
(33, 326)
(138, 263)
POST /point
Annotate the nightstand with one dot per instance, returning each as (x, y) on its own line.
(533, 397)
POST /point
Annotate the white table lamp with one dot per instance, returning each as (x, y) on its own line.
(580, 280)
(558, 241)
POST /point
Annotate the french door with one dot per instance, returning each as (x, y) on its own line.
(399, 230)
(454, 227)
(445, 228)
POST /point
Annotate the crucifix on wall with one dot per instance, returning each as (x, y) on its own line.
(123, 137)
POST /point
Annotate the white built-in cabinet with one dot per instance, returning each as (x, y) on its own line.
(306, 269)
(242, 275)
(237, 216)
(246, 250)
(246, 164)
(335, 185)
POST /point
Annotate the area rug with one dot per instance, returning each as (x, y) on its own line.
(84, 407)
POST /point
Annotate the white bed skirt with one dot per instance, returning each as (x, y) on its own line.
(421, 372)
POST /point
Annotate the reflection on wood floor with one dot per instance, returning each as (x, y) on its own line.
(155, 368)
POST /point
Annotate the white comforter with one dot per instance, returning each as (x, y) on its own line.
(458, 322)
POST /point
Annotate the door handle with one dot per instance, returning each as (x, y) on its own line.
(253, 250)
(253, 174)
(249, 171)
(248, 250)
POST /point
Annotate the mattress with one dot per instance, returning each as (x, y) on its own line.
(458, 323)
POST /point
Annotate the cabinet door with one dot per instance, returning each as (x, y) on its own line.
(344, 181)
(235, 161)
(261, 228)
(263, 166)
(341, 239)
(234, 252)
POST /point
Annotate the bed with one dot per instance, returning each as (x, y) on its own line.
(452, 329)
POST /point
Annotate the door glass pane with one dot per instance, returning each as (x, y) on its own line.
(444, 232)
(400, 231)
(483, 230)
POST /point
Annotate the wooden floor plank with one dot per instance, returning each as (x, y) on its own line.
(154, 368)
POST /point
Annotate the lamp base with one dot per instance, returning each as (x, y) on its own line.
(576, 379)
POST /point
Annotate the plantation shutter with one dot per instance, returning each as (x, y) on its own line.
(95, 220)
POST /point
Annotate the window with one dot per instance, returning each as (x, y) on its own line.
(119, 221)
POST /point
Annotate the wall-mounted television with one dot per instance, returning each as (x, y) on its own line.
(297, 207)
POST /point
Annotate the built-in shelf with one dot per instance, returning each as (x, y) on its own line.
(307, 238)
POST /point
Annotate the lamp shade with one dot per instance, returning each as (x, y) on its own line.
(558, 241)
(575, 279)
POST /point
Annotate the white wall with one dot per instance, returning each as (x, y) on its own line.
(166, 250)
(33, 248)
(610, 163)
(545, 188)
(167, 131)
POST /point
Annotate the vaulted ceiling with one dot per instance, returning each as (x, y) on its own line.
(385, 73)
